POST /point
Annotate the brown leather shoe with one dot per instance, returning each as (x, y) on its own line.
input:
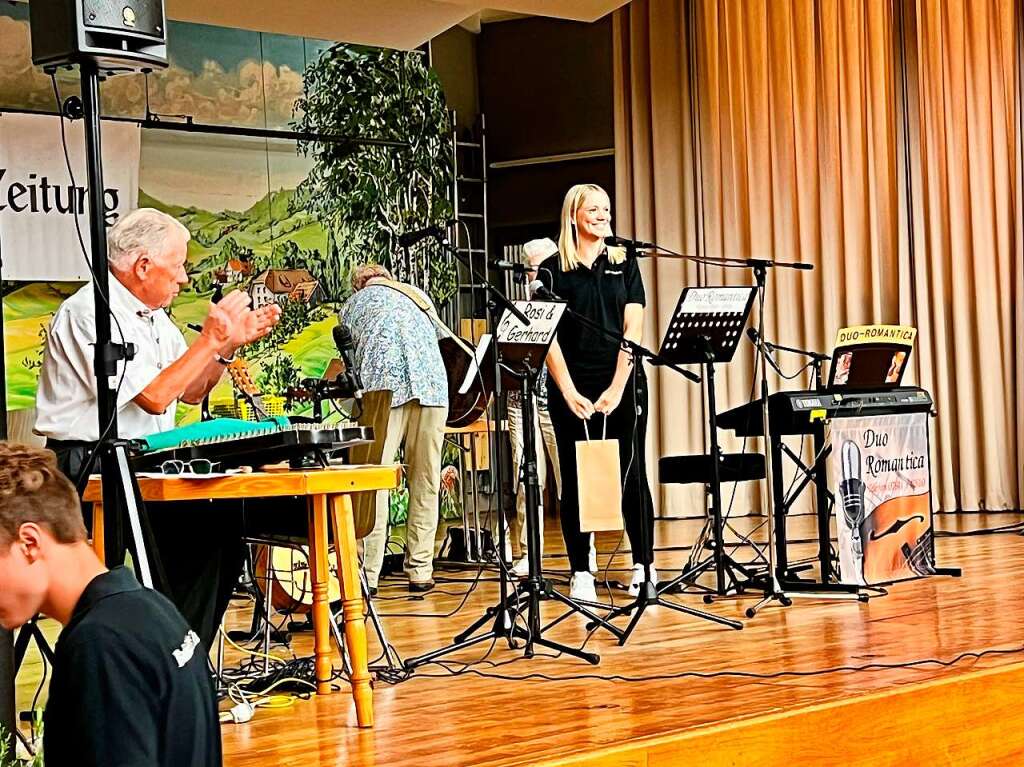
(420, 587)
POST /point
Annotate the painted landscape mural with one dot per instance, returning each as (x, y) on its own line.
(285, 221)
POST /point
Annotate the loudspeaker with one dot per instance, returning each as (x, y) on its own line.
(116, 34)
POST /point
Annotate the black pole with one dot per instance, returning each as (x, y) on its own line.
(716, 479)
(105, 365)
(106, 354)
(7, 719)
(7, 689)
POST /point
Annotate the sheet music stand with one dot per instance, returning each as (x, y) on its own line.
(705, 329)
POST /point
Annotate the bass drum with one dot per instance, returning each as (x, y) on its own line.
(291, 582)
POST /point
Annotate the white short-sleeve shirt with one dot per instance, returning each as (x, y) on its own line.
(66, 397)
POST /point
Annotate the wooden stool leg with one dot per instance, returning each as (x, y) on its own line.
(98, 543)
(320, 574)
(352, 605)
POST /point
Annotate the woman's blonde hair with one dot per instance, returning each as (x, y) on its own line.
(567, 240)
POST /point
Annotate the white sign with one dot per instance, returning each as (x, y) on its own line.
(544, 317)
(38, 203)
(881, 478)
(716, 300)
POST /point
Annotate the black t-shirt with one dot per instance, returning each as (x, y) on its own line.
(599, 293)
(130, 684)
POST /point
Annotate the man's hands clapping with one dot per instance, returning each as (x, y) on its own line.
(231, 324)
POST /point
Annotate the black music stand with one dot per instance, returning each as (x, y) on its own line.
(649, 594)
(705, 329)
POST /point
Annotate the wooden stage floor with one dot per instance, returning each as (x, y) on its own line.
(654, 714)
(660, 707)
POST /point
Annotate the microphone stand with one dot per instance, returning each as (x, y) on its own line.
(774, 591)
(759, 267)
(527, 596)
(817, 359)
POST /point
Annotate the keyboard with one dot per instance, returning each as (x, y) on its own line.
(795, 412)
(231, 442)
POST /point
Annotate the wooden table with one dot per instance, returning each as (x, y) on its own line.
(328, 489)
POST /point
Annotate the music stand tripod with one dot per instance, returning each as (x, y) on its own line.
(705, 329)
(528, 595)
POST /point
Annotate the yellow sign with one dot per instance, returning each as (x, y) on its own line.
(876, 334)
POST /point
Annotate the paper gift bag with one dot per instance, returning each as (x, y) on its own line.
(599, 479)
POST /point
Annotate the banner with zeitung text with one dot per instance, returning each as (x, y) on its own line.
(39, 203)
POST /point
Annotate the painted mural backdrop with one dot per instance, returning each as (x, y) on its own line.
(284, 222)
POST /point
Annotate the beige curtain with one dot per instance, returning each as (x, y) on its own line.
(967, 294)
(777, 129)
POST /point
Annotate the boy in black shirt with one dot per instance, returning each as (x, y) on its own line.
(130, 684)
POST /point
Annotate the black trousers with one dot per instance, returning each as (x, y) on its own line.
(629, 418)
(196, 551)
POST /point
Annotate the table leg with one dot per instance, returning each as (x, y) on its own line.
(352, 605)
(320, 575)
(98, 542)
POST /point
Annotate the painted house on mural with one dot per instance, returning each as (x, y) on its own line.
(280, 285)
(234, 272)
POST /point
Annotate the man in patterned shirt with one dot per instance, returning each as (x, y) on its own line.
(396, 350)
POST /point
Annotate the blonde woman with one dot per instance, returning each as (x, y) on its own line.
(593, 376)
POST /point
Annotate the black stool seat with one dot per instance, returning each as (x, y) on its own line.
(691, 469)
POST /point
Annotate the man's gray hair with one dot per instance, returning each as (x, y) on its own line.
(363, 273)
(144, 230)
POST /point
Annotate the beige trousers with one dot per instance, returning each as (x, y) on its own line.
(545, 440)
(421, 430)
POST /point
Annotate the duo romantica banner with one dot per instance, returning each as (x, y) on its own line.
(882, 470)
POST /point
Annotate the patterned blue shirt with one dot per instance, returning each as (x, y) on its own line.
(395, 346)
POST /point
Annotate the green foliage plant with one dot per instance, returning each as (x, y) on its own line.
(373, 193)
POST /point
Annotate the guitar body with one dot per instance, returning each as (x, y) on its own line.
(291, 583)
(897, 539)
(466, 407)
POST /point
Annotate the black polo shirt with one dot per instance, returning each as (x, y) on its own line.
(599, 293)
(130, 684)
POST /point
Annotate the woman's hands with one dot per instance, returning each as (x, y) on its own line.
(609, 400)
(579, 405)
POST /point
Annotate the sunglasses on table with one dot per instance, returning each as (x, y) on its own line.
(195, 466)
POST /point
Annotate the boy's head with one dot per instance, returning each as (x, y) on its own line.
(39, 515)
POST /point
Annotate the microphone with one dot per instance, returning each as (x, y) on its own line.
(345, 343)
(622, 242)
(408, 239)
(538, 289)
(851, 490)
(764, 347)
(509, 266)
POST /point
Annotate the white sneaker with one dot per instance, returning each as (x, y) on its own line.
(581, 588)
(592, 561)
(521, 568)
(638, 579)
